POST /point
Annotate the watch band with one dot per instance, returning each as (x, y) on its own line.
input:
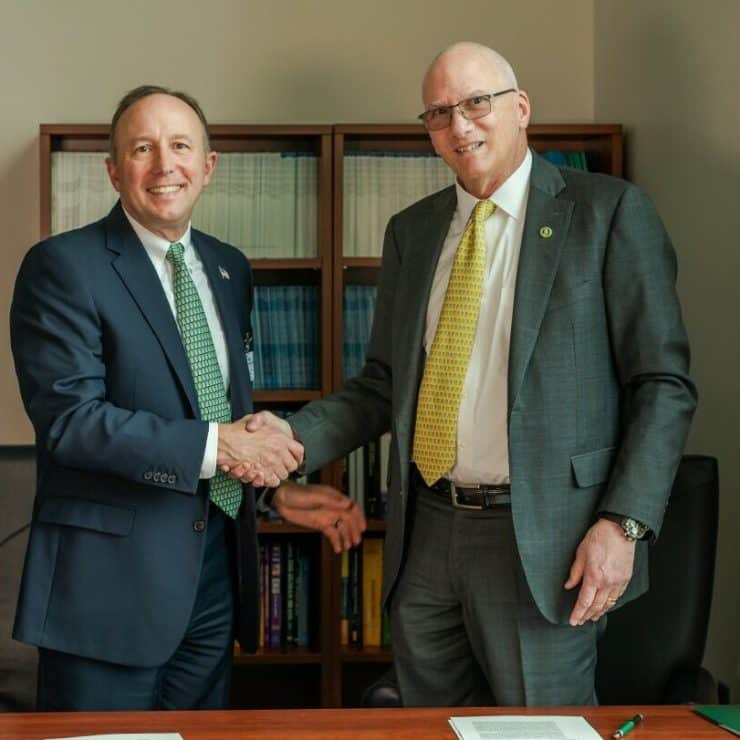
(632, 528)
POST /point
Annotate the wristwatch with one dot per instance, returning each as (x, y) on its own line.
(633, 530)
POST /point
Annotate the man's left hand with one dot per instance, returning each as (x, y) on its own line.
(323, 508)
(603, 566)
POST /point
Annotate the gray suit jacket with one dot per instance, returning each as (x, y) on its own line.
(599, 397)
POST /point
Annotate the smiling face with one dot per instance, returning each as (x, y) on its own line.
(484, 152)
(160, 164)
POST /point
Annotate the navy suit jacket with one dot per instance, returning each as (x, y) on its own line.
(116, 543)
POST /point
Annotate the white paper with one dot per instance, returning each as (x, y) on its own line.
(521, 727)
(127, 736)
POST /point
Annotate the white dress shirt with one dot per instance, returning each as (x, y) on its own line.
(482, 435)
(156, 247)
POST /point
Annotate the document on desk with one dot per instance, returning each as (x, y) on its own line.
(127, 736)
(523, 727)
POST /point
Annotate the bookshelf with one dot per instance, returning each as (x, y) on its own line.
(326, 673)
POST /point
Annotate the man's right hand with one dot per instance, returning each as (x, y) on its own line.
(265, 456)
(267, 423)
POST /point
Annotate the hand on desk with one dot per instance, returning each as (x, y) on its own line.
(603, 566)
(265, 455)
(323, 508)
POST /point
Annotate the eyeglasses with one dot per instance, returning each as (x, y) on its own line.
(478, 106)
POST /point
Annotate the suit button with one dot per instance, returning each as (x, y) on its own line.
(199, 525)
(156, 477)
(172, 479)
(148, 475)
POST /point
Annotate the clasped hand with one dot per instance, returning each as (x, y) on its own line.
(260, 449)
(263, 455)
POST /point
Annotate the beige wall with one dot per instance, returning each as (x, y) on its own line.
(668, 70)
(258, 61)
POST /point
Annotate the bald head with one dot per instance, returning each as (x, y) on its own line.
(467, 52)
(474, 95)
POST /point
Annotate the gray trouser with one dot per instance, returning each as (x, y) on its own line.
(465, 628)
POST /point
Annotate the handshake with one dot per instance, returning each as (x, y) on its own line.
(260, 449)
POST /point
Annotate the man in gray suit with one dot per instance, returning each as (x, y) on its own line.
(567, 421)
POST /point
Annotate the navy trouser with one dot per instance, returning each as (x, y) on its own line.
(197, 676)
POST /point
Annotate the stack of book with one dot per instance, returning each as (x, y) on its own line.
(379, 184)
(358, 310)
(363, 622)
(285, 327)
(365, 476)
(285, 585)
(265, 203)
(575, 160)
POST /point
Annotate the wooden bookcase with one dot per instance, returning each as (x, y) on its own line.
(327, 674)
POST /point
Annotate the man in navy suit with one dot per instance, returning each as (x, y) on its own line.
(137, 574)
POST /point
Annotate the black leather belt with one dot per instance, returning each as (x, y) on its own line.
(474, 497)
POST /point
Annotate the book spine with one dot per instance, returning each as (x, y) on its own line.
(289, 614)
(372, 576)
(276, 605)
(303, 595)
(355, 602)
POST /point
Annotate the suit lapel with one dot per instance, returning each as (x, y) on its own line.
(137, 273)
(419, 266)
(220, 282)
(545, 233)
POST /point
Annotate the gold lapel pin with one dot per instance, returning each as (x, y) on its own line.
(545, 232)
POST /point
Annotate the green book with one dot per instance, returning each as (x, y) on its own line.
(726, 716)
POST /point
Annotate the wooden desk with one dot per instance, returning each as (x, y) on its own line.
(676, 723)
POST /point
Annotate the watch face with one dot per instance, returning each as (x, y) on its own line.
(633, 529)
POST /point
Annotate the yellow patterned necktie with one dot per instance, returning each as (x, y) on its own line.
(435, 436)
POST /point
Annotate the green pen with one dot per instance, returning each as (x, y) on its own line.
(628, 726)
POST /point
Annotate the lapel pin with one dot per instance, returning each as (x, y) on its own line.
(225, 275)
(545, 232)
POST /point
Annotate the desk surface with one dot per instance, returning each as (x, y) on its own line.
(340, 724)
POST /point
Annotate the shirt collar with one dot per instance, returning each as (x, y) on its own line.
(156, 246)
(510, 197)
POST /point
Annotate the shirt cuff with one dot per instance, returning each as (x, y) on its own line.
(210, 455)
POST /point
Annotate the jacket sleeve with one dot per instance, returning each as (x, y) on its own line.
(651, 355)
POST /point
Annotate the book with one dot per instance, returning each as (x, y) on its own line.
(290, 614)
(275, 624)
(372, 579)
(355, 597)
(726, 716)
(344, 603)
(302, 598)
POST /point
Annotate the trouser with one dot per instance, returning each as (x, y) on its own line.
(465, 628)
(197, 676)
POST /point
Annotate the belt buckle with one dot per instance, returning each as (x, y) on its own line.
(457, 505)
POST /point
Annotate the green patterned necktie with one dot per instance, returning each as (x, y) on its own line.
(226, 493)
